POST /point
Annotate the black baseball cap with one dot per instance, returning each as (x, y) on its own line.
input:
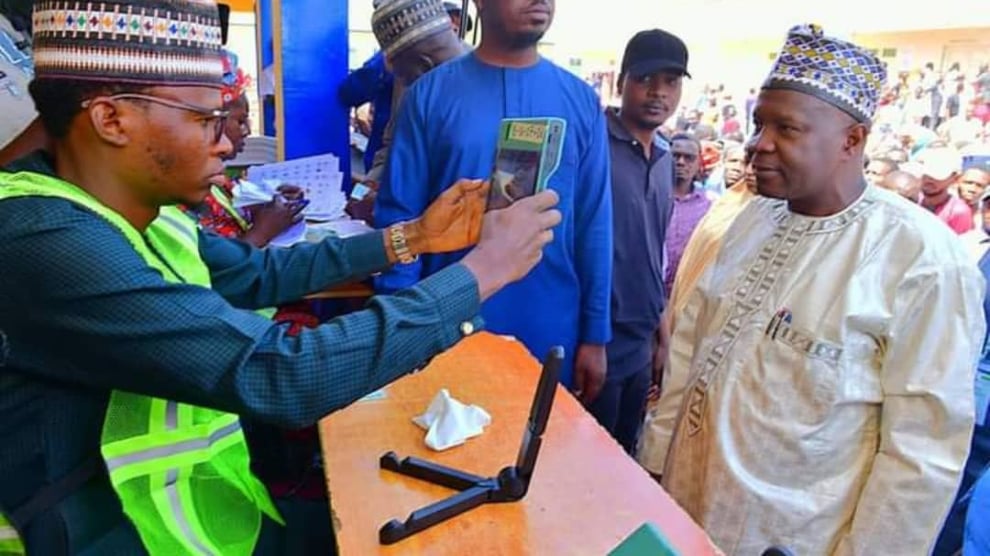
(655, 51)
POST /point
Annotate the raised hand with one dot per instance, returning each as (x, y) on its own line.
(452, 222)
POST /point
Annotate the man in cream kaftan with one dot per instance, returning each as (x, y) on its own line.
(828, 401)
(819, 392)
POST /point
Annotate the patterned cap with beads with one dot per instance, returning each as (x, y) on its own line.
(400, 24)
(144, 42)
(838, 72)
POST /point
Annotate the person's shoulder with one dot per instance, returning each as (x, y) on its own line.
(376, 60)
(30, 221)
(567, 76)
(452, 72)
(26, 215)
(918, 236)
(47, 240)
(960, 207)
(440, 83)
(572, 83)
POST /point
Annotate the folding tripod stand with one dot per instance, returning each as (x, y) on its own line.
(510, 485)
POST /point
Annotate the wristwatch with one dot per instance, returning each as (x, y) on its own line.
(397, 237)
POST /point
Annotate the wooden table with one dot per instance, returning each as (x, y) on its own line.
(344, 291)
(585, 498)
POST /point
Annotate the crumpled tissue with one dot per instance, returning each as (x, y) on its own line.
(449, 423)
(247, 193)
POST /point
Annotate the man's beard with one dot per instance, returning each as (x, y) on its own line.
(522, 41)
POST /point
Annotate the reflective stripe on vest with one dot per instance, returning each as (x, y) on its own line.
(182, 472)
(228, 206)
(10, 543)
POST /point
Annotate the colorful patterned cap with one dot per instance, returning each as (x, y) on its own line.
(838, 72)
(400, 24)
(144, 42)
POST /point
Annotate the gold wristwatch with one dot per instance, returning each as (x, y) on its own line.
(397, 237)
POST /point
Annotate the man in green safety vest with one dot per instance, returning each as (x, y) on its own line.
(128, 345)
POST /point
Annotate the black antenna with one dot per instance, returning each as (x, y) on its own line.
(462, 32)
(511, 484)
(224, 11)
(477, 27)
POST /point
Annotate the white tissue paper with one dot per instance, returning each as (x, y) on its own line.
(247, 193)
(449, 423)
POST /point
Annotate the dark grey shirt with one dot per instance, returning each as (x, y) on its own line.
(641, 204)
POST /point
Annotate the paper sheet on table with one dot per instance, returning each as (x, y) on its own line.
(343, 228)
(318, 176)
(375, 396)
(292, 236)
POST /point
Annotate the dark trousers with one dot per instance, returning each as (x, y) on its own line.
(621, 406)
(308, 530)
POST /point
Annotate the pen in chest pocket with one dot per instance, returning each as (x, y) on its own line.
(783, 317)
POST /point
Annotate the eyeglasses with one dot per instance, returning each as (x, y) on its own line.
(215, 115)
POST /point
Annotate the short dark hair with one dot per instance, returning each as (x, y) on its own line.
(58, 101)
(687, 137)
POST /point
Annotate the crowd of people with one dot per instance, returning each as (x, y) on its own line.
(777, 308)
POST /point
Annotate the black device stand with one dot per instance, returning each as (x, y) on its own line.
(510, 485)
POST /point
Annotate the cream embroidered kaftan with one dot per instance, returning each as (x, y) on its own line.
(820, 382)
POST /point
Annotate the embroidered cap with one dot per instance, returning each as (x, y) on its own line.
(841, 73)
(400, 24)
(144, 42)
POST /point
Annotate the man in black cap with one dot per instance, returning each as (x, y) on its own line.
(653, 67)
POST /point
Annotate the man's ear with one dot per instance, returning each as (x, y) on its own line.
(110, 123)
(620, 84)
(856, 137)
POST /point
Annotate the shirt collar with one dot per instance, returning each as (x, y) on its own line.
(697, 191)
(618, 131)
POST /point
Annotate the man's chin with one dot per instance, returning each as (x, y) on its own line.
(770, 193)
(654, 122)
(527, 39)
(193, 199)
(771, 188)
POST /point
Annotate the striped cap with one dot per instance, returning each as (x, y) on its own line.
(143, 42)
(400, 24)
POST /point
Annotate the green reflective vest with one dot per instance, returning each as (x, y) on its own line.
(10, 543)
(182, 472)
